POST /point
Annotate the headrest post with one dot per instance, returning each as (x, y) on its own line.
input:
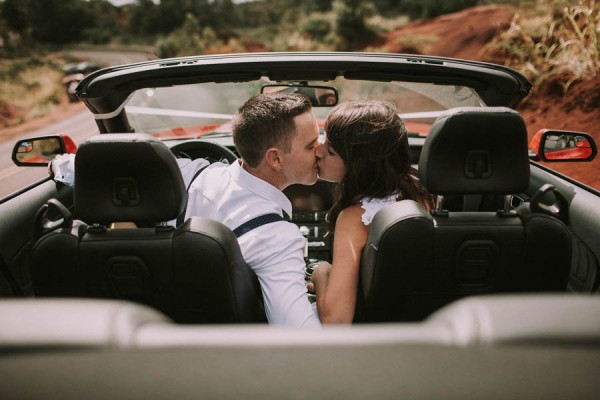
(507, 212)
(507, 202)
(439, 207)
(163, 227)
(96, 228)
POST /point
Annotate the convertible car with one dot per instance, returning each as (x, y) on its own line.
(493, 294)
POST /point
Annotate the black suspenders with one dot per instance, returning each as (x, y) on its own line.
(246, 226)
(259, 221)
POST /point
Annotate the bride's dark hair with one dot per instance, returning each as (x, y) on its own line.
(371, 139)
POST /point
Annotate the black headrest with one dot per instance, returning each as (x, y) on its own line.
(127, 177)
(476, 151)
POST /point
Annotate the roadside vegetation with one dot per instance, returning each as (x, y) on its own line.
(547, 39)
(552, 40)
(29, 87)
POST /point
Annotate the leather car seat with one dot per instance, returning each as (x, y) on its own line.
(194, 273)
(414, 261)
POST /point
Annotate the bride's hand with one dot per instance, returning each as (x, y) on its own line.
(320, 274)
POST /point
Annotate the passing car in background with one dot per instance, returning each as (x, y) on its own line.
(493, 294)
(74, 73)
(83, 67)
(70, 82)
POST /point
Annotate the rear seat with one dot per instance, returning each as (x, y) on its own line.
(561, 319)
(565, 320)
(79, 324)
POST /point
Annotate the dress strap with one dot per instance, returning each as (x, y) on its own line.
(371, 205)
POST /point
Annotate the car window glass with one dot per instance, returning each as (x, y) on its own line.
(198, 109)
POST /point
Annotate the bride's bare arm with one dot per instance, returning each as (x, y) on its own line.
(336, 285)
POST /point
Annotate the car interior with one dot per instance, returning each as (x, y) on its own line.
(494, 292)
(105, 318)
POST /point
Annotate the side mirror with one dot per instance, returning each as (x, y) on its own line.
(562, 146)
(38, 151)
(320, 96)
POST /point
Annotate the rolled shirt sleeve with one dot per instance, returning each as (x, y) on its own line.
(63, 169)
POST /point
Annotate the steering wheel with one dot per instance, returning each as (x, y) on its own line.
(201, 149)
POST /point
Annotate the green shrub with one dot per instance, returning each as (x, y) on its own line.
(189, 40)
(97, 35)
(316, 27)
(166, 48)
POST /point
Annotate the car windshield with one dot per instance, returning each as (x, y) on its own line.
(199, 109)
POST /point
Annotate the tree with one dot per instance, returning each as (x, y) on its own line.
(351, 22)
(48, 21)
(109, 22)
(13, 13)
(143, 16)
(190, 39)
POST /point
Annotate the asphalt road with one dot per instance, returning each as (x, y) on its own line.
(79, 127)
(12, 178)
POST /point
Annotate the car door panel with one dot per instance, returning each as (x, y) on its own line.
(17, 234)
(584, 223)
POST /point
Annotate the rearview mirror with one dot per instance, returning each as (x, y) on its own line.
(563, 146)
(41, 150)
(320, 96)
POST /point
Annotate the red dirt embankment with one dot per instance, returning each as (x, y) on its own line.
(465, 34)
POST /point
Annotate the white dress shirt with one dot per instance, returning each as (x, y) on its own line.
(275, 251)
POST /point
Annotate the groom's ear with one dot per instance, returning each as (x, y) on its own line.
(273, 159)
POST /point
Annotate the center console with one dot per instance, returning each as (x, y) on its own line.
(309, 208)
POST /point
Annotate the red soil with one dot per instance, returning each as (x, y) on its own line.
(464, 35)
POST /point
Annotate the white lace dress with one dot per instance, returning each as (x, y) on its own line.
(372, 205)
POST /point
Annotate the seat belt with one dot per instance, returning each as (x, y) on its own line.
(181, 217)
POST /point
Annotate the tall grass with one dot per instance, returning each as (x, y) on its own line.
(552, 39)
